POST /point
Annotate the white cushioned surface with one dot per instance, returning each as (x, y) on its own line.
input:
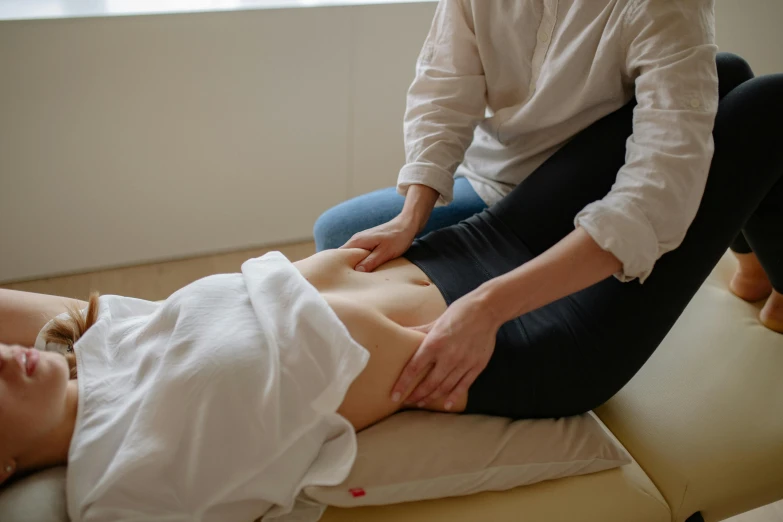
(619, 495)
(37, 498)
(704, 416)
(420, 455)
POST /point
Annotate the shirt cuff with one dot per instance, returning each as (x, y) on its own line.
(620, 227)
(431, 176)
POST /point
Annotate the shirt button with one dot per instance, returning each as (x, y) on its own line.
(695, 103)
(542, 36)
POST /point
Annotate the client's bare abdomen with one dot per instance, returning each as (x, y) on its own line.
(377, 308)
(398, 289)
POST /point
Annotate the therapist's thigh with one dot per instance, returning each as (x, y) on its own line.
(338, 224)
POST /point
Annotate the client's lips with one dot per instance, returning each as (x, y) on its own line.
(32, 361)
(28, 360)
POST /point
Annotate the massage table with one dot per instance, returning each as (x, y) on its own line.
(702, 421)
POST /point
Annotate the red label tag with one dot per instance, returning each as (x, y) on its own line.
(357, 492)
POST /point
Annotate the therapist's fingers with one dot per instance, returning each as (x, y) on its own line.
(434, 378)
(425, 328)
(447, 386)
(377, 257)
(461, 390)
(362, 240)
(420, 361)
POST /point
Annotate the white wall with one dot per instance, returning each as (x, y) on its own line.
(754, 30)
(131, 139)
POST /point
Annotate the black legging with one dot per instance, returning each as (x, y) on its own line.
(574, 354)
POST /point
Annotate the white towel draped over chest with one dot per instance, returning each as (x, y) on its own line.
(215, 405)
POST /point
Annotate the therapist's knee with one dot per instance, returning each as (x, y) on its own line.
(331, 229)
(733, 70)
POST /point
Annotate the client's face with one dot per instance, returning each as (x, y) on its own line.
(32, 397)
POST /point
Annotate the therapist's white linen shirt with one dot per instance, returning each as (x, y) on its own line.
(501, 85)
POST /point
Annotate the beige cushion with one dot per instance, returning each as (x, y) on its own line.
(704, 416)
(619, 495)
(39, 498)
(420, 455)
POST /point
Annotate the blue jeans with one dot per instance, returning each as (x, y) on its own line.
(336, 226)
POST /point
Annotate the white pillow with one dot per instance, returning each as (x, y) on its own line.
(39, 497)
(419, 455)
(412, 456)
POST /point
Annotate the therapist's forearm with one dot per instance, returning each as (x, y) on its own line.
(573, 264)
(419, 202)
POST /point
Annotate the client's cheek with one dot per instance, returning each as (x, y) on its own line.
(33, 406)
(31, 426)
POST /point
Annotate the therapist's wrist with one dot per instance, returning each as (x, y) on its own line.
(419, 202)
(489, 302)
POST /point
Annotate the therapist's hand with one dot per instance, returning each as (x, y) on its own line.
(391, 240)
(385, 242)
(456, 350)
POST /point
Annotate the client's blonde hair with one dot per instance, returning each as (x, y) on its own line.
(67, 331)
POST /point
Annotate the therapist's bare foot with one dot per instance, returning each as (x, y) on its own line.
(750, 282)
(772, 314)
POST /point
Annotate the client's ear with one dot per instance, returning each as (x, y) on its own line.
(7, 470)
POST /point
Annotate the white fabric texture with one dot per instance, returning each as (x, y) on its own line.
(217, 404)
(39, 497)
(418, 455)
(501, 86)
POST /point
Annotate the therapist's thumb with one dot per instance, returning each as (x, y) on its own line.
(425, 328)
(376, 258)
(362, 240)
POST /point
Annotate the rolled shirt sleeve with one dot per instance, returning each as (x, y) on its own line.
(671, 53)
(445, 102)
